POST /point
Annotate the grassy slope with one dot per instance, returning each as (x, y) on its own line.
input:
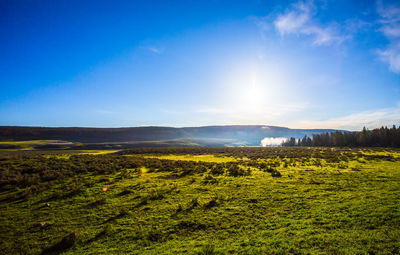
(41, 145)
(318, 210)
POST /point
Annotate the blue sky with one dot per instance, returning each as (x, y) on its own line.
(301, 64)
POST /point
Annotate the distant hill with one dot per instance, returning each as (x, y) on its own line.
(234, 135)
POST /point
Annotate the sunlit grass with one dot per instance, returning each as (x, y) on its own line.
(197, 158)
(314, 208)
(84, 152)
(387, 152)
(35, 142)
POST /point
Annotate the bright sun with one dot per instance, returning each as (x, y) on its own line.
(252, 94)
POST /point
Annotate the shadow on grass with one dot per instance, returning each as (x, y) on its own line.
(65, 243)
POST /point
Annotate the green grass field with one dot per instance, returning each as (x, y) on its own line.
(322, 202)
(34, 144)
(196, 158)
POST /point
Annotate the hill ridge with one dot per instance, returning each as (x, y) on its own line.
(238, 134)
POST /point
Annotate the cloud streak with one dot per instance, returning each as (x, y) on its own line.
(369, 119)
(153, 49)
(300, 20)
(390, 28)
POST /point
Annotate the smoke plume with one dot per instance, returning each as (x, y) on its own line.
(272, 141)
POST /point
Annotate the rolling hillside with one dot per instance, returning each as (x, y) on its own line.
(208, 135)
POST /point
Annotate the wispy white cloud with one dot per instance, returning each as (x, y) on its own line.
(369, 119)
(323, 35)
(392, 30)
(391, 55)
(263, 23)
(300, 20)
(356, 25)
(153, 49)
(389, 11)
(390, 27)
(293, 21)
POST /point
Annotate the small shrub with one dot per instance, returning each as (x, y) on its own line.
(276, 173)
(106, 231)
(192, 204)
(268, 169)
(217, 170)
(143, 202)
(125, 192)
(179, 209)
(212, 203)
(208, 249)
(97, 202)
(154, 235)
(190, 225)
(65, 243)
(156, 195)
(236, 171)
(209, 179)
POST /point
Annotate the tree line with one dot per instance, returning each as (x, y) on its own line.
(379, 137)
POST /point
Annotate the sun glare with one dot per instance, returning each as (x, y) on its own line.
(252, 94)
